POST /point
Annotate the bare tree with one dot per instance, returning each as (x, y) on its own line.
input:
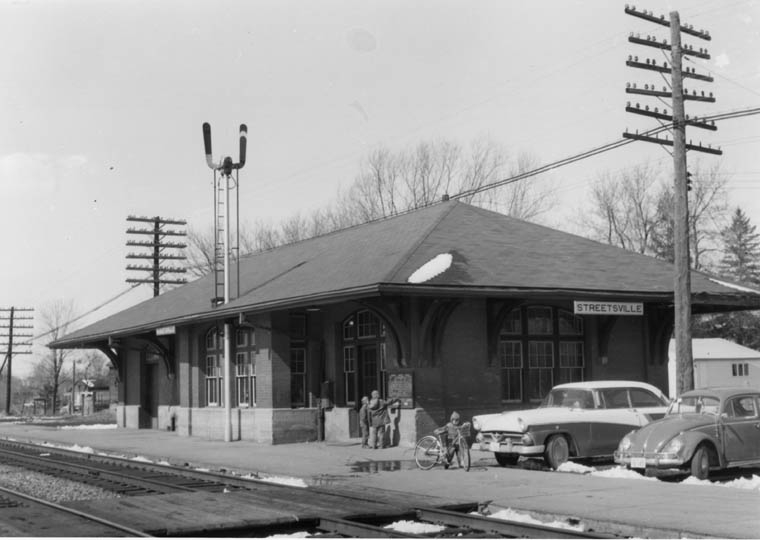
(524, 199)
(623, 208)
(634, 210)
(389, 183)
(55, 319)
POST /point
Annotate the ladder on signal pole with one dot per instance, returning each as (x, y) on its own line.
(225, 214)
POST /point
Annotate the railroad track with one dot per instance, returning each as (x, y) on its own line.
(249, 506)
(28, 516)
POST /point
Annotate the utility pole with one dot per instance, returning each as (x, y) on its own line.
(158, 253)
(8, 331)
(678, 122)
(222, 221)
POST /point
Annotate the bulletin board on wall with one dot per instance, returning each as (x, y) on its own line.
(401, 387)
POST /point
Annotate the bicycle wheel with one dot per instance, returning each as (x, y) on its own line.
(463, 454)
(428, 452)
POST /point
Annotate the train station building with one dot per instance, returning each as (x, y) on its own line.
(450, 307)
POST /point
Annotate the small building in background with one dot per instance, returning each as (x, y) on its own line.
(719, 362)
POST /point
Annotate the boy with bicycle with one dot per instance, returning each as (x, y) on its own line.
(447, 434)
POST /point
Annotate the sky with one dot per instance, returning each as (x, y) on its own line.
(103, 103)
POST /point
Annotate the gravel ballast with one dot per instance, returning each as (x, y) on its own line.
(49, 488)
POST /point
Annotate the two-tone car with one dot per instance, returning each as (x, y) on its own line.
(705, 429)
(575, 420)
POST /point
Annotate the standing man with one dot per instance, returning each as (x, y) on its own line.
(379, 417)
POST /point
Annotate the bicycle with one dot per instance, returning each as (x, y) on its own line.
(430, 450)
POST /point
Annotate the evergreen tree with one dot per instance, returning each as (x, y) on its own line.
(741, 249)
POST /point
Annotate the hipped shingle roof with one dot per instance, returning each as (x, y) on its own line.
(492, 254)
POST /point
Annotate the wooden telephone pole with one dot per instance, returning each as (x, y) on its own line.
(679, 119)
(9, 330)
(158, 251)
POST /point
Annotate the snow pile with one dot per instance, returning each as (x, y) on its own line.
(284, 480)
(298, 534)
(141, 459)
(91, 426)
(512, 515)
(435, 266)
(621, 472)
(415, 527)
(740, 483)
(572, 467)
(75, 448)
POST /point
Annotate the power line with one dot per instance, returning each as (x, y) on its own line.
(86, 313)
(595, 151)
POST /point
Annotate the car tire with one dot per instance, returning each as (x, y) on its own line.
(505, 460)
(557, 451)
(700, 463)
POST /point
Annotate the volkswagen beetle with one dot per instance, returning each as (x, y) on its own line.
(703, 430)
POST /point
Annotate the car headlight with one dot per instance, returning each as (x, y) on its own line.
(476, 424)
(673, 446)
(625, 444)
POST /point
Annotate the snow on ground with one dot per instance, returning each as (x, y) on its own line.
(622, 472)
(90, 426)
(741, 483)
(512, 515)
(435, 266)
(284, 480)
(415, 527)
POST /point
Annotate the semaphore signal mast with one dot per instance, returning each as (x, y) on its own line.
(223, 184)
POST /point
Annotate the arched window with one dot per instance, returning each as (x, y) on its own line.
(366, 355)
(539, 347)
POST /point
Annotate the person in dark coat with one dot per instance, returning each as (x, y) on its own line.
(379, 418)
(364, 421)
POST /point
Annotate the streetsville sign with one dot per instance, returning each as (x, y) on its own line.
(166, 331)
(608, 308)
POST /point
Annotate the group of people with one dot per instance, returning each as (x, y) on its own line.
(374, 416)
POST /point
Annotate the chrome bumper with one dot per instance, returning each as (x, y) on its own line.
(508, 447)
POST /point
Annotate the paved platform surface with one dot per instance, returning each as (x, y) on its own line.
(642, 508)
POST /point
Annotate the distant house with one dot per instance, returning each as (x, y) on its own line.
(720, 362)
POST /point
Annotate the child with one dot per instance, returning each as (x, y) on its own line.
(447, 434)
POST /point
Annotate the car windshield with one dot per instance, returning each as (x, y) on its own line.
(695, 404)
(577, 398)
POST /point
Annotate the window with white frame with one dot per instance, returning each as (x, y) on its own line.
(540, 369)
(740, 370)
(349, 373)
(298, 377)
(244, 368)
(538, 347)
(245, 378)
(214, 380)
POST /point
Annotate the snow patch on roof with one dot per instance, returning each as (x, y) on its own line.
(435, 266)
(732, 286)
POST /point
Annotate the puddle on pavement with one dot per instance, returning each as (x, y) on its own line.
(382, 466)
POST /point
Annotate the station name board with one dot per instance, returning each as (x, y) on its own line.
(166, 331)
(608, 308)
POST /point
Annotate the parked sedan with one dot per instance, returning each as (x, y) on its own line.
(575, 420)
(704, 430)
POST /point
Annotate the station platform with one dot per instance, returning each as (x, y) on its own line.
(644, 508)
